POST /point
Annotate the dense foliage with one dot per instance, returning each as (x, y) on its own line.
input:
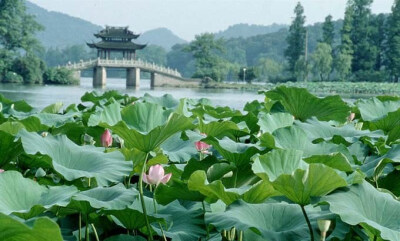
(61, 76)
(116, 167)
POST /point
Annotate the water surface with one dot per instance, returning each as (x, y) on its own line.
(42, 95)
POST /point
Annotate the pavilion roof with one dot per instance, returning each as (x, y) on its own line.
(116, 45)
(116, 32)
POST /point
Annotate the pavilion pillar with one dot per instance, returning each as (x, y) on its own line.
(99, 76)
(133, 77)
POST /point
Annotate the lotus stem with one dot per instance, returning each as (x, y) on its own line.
(235, 181)
(142, 197)
(95, 232)
(204, 212)
(240, 236)
(80, 226)
(308, 222)
(155, 211)
(87, 229)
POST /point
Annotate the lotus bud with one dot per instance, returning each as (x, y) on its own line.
(323, 226)
(1, 170)
(44, 134)
(202, 146)
(156, 176)
(350, 118)
(106, 138)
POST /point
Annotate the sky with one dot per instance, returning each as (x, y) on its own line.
(186, 18)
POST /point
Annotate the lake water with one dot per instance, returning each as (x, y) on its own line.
(42, 95)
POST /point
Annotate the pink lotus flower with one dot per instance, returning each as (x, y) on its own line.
(202, 146)
(156, 176)
(351, 117)
(106, 138)
(1, 170)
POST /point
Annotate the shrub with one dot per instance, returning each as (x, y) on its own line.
(30, 67)
(12, 77)
(61, 76)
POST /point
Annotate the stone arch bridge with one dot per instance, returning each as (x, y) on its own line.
(160, 76)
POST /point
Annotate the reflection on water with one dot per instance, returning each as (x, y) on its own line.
(42, 95)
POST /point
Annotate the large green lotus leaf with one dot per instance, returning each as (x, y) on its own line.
(40, 229)
(380, 164)
(75, 131)
(387, 123)
(269, 122)
(235, 152)
(53, 108)
(318, 129)
(9, 148)
(110, 114)
(295, 138)
(132, 216)
(8, 104)
(11, 127)
(73, 161)
(272, 221)
(363, 204)
(374, 109)
(179, 150)
(317, 180)
(109, 198)
(47, 119)
(167, 100)
(177, 190)
(218, 128)
(334, 160)
(145, 126)
(27, 198)
(183, 223)
(303, 105)
(214, 191)
(393, 135)
(125, 237)
(250, 120)
(277, 162)
(144, 117)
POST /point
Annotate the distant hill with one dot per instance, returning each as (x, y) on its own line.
(61, 30)
(162, 37)
(249, 30)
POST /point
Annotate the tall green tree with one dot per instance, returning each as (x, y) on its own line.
(322, 61)
(205, 49)
(378, 38)
(17, 28)
(364, 54)
(346, 46)
(393, 41)
(328, 31)
(296, 38)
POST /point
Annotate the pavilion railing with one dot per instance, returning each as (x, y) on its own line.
(123, 63)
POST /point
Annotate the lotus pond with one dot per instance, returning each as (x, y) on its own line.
(293, 167)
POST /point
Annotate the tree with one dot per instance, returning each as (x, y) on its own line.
(30, 67)
(204, 50)
(269, 69)
(346, 46)
(393, 52)
(378, 39)
(153, 53)
(343, 65)
(250, 74)
(302, 69)
(328, 31)
(178, 58)
(322, 61)
(17, 28)
(364, 54)
(296, 38)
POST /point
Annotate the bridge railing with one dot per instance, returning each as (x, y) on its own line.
(121, 63)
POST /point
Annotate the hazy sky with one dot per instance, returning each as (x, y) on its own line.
(189, 17)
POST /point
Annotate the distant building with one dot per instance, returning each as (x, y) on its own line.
(116, 39)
